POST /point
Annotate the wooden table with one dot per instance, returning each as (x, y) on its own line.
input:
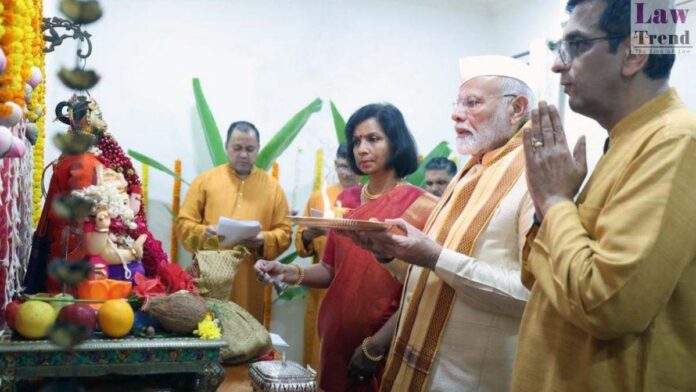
(21, 359)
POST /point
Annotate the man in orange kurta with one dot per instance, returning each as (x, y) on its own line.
(238, 190)
(310, 242)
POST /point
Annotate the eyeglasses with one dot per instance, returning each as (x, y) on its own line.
(575, 47)
(473, 105)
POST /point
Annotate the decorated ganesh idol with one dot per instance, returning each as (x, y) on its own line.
(104, 163)
(113, 254)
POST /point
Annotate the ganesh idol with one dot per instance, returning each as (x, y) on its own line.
(102, 164)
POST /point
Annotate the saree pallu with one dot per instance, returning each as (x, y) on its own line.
(362, 295)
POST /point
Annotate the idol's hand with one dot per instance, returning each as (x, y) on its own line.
(553, 174)
(253, 242)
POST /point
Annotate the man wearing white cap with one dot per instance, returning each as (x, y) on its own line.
(463, 297)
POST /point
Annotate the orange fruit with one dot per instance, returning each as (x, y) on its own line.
(115, 318)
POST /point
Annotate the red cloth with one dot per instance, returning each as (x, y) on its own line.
(362, 295)
(69, 173)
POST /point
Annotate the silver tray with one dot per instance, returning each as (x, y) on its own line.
(282, 376)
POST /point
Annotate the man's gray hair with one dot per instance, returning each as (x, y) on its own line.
(517, 87)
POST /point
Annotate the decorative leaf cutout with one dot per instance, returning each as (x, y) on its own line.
(210, 130)
(154, 164)
(74, 143)
(339, 124)
(417, 178)
(282, 139)
(69, 272)
(67, 334)
(71, 207)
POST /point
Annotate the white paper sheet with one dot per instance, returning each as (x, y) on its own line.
(235, 230)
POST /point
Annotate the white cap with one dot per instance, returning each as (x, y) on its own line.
(496, 65)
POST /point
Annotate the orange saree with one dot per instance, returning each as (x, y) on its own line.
(362, 295)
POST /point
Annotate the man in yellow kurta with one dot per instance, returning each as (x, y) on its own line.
(309, 242)
(613, 274)
(238, 190)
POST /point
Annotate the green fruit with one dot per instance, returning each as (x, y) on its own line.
(58, 305)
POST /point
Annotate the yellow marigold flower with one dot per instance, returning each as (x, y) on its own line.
(207, 329)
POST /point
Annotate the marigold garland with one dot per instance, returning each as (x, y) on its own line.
(267, 291)
(22, 43)
(318, 165)
(38, 100)
(145, 169)
(176, 204)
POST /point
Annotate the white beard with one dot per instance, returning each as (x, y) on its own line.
(489, 135)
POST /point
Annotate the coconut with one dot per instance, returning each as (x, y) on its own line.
(179, 312)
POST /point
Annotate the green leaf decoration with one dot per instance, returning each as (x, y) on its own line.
(339, 124)
(154, 164)
(288, 259)
(417, 178)
(292, 292)
(282, 139)
(210, 130)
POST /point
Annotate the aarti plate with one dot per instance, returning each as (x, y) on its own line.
(340, 223)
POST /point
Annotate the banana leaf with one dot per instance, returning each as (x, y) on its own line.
(213, 140)
(154, 164)
(339, 124)
(292, 292)
(417, 178)
(282, 139)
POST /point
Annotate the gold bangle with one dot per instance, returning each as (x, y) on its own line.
(367, 353)
(300, 271)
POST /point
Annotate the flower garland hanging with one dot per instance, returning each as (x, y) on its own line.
(145, 169)
(38, 103)
(176, 205)
(318, 165)
(22, 97)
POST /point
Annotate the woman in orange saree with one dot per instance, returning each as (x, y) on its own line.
(355, 320)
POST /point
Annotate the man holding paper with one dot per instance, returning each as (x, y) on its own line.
(239, 191)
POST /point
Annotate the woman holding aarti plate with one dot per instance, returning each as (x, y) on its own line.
(355, 323)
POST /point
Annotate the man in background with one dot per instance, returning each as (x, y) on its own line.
(240, 191)
(438, 174)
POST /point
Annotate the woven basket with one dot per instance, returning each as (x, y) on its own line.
(246, 337)
(216, 269)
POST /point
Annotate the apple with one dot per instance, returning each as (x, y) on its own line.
(11, 313)
(80, 314)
